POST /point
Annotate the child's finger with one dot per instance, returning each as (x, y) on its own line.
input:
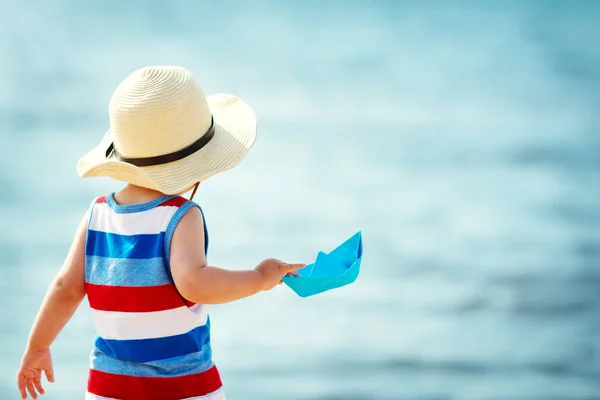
(293, 267)
(50, 374)
(21, 383)
(37, 382)
(292, 273)
(31, 390)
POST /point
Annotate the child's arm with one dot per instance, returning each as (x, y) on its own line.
(204, 284)
(62, 299)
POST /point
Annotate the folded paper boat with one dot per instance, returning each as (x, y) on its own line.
(329, 271)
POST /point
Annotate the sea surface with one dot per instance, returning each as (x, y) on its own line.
(461, 137)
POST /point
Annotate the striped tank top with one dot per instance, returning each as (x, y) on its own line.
(151, 343)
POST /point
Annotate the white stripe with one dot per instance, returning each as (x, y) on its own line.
(218, 395)
(92, 396)
(151, 221)
(148, 325)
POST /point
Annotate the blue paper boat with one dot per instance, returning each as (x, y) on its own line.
(329, 271)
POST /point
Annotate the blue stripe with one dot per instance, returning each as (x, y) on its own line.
(112, 245)
(144, 350)
(126, 271)
(188, 364)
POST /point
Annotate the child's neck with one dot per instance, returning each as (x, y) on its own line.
(132, 194)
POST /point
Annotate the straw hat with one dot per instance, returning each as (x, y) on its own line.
(166, 135)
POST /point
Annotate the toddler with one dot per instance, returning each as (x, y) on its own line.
(140, 254)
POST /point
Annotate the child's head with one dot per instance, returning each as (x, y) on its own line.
(166, 135)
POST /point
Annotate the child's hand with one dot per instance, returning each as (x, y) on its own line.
(273, 270)
(30, 374)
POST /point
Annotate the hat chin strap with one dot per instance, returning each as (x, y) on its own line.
(194, 191)
(165, 158)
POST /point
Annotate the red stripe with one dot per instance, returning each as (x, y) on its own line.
(101, 199)
(132, 387)
(174, 202)
(134, 298)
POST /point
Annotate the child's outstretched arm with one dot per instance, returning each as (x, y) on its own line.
(204, 284)
(62, 299)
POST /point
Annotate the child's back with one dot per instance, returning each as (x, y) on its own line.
(146, 329)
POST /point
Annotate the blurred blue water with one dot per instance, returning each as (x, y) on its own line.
(462, 138)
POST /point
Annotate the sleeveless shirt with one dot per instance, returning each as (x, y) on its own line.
(151, 343)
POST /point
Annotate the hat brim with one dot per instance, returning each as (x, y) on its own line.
(235, 133)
